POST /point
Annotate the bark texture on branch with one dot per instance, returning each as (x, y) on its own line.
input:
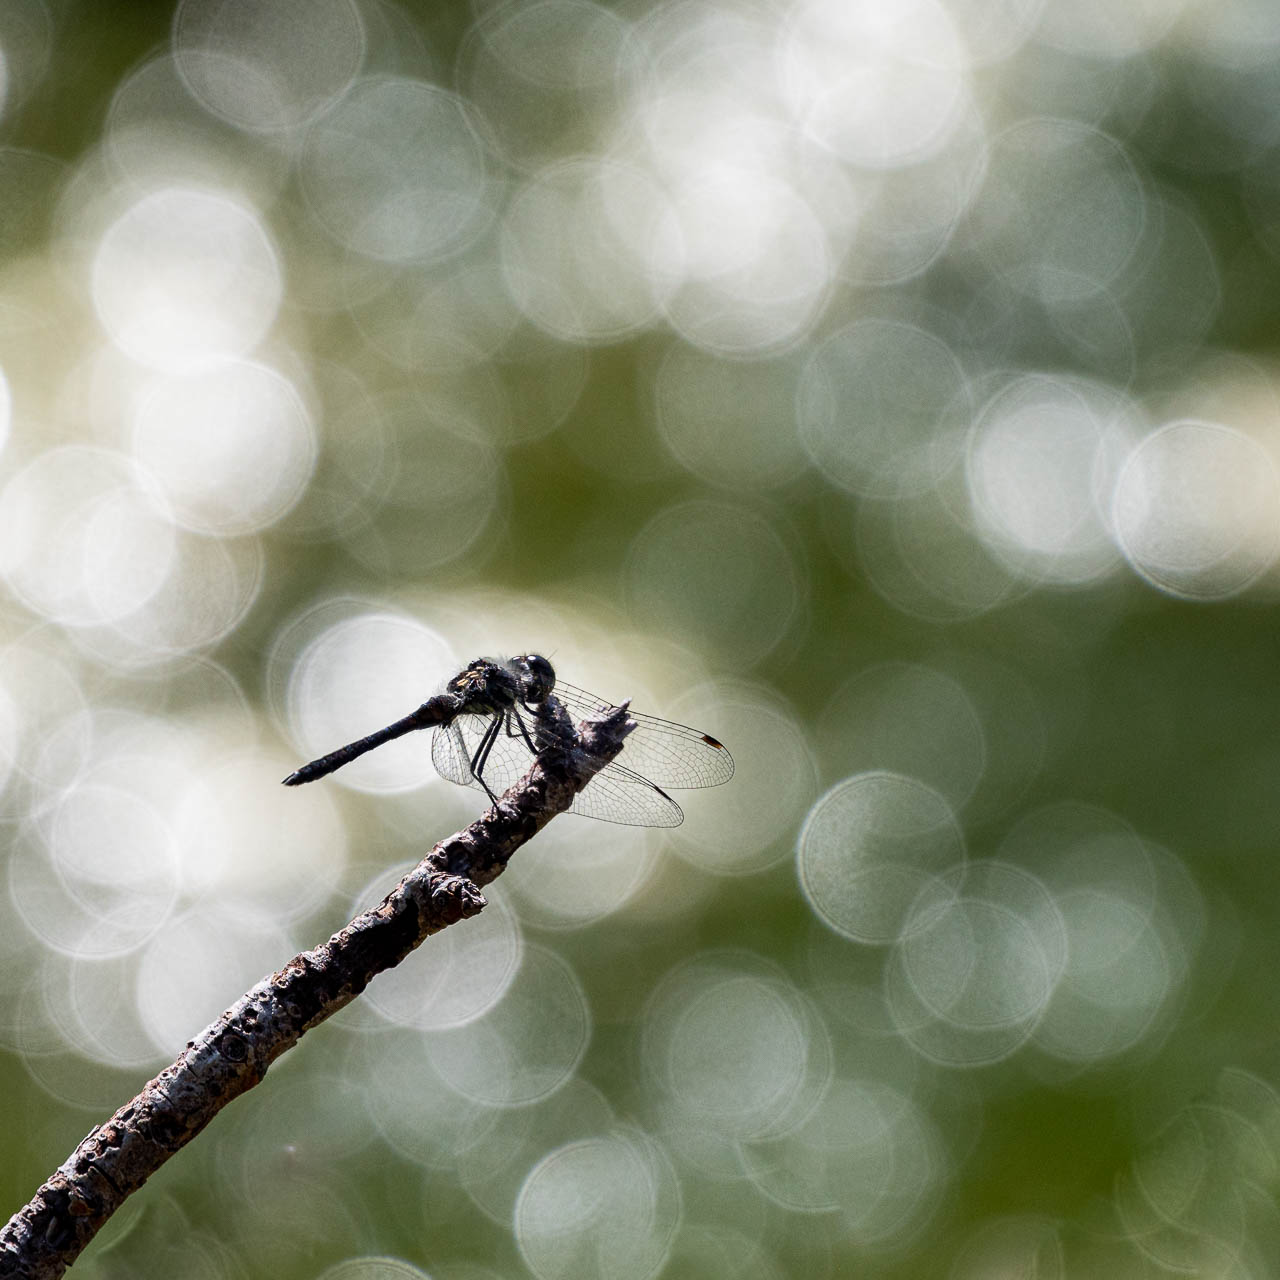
(232, 1055)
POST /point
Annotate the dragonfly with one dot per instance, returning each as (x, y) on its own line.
(495, 716)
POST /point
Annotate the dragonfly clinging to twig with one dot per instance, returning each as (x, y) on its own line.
(494, 717)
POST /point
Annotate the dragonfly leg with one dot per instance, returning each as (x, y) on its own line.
(524, 732)
(481, 757)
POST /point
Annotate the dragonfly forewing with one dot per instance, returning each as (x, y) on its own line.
(670, 754)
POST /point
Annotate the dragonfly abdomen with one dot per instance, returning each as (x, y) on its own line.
(438, 710)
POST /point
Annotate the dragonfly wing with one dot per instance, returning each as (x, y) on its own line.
(451, 750)
(662, 751)
(454, 746)
(616, 794)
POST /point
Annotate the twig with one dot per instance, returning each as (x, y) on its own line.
(233, 1054)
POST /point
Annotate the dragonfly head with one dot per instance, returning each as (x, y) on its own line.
(536, 677)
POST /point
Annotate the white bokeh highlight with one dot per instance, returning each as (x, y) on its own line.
(606, 1205)
(1197, 510)
(84, 537)
(184, 278)
(882, 87)
(396, 173)
(268, 68)
(358, 675)
(232, 447)
(868, 849)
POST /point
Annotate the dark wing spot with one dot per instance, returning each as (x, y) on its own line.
(707, 738)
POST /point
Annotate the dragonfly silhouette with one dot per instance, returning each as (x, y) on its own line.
(494, 717)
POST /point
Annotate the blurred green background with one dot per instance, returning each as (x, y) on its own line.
(886, 389)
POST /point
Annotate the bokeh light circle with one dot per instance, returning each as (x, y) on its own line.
(732, 1046)
(716, 574)
(26, 40)
(231, 447)
(1042, 456)
(493, 1164)
(186, 277)
(103, 878)
(867, 1152)
(1119, 977)
(1133, 920)
(880, 404)
(742, 828)
(244, 840)
(84, 537)
(444, 484)
(211, 585)
(41, 699)
(1094, 28)
(266, 68)
(730, 422)
(869, 847)
(907, 719)
(602, 1206)
(549, 77)
(578, 878)
(527, 1045)
(911, 214)
(814, 371)
(576, 249)
(977, 965)
(157, 134)
(1197, 510)
(751, 259)
(362, 673)
(1063, 209)
(396, 173)
(416, 1112)
(1028, 1245)
(447, 321)
(373, 1267)
(97, 1017)
(109, 841)
(923, 555)
(881, 88)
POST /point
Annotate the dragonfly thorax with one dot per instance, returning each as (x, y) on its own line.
(484, 687)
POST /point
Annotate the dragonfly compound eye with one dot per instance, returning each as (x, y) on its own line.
(536, 675)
